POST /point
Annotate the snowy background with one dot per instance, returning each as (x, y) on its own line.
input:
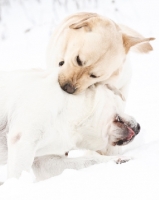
(25, 29)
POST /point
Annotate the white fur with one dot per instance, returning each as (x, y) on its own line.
(38, 120)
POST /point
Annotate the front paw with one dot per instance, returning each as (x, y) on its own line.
(123, 160)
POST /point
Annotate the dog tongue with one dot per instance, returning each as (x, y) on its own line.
(131, 134)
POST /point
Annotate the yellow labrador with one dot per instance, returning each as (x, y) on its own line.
(90, 48)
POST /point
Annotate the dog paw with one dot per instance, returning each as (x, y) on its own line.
(122, 160)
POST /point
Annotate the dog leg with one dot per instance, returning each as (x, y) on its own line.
(21, 153)
(111, 151)
(48, 166)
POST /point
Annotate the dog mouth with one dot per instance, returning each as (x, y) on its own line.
(130, 132)
(129, 138)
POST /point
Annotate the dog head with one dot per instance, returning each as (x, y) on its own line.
(103, 122)
(119, 128)
(91, 49)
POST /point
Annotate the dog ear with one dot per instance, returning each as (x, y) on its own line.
(141, 44)
(83, 21)
(79, 25)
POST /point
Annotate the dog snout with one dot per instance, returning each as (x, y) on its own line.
(69, 88)
(125, 123)
(137, 130)
(128, 130)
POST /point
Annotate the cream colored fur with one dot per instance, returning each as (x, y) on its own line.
(102, 47)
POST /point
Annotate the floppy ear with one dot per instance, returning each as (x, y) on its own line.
(83, 21)
(79, 25)
(140, 43)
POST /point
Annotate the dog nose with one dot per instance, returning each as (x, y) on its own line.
(69, 88)
(138, 128)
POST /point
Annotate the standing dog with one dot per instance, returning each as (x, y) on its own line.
(91, 49)
(39, 123)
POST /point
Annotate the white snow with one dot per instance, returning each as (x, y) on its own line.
(24, 33)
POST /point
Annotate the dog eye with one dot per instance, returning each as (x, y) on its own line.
(79, 61)
(93, 76)
(61, 63)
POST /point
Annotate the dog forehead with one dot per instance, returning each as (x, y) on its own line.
(90, 48)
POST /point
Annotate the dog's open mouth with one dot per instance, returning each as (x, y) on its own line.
(125, 140)
(130, 132)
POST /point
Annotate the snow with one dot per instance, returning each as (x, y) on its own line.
(137, 179)
(24, 33)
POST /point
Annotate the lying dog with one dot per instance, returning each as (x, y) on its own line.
(90, 48)
(39, 123)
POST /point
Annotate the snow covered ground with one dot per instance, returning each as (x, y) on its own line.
(24, 33)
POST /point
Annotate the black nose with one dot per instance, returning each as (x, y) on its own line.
(69, 88)
(137, 128)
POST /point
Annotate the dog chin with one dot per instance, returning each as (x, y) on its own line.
(123, 142)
